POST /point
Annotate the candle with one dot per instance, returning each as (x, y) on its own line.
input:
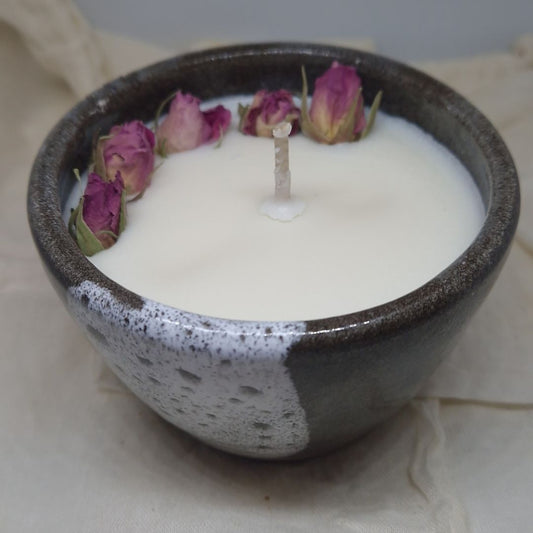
(382, 217)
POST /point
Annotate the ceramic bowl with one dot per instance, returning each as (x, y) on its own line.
(274, 390)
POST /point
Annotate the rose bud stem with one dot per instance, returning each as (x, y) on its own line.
(281, 206)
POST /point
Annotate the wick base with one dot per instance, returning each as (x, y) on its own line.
(282, 210)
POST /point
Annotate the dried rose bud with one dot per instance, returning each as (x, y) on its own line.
(101, 214)
(186, 126)
(266, 111)
(128, 149)
(337, 108)
(218, 118)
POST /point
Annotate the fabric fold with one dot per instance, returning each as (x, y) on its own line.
(75, 454)
(61, 40)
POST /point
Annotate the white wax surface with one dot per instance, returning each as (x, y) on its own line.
(382, 217)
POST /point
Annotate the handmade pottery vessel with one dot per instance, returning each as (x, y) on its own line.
(274, 390)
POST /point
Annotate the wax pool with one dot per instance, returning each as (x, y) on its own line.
(383, 216)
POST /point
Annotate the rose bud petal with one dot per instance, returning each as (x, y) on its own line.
(218, 118)
(129, 149)
(101, 214)
(187, 127)
(266, 111)
(337, 108)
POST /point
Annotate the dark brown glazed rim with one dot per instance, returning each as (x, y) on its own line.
(242, 69)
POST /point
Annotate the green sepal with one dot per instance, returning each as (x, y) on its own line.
(346, 129)
(98, 158)
(161, 145)
(242, 110)
(123, 214)
(72, 221)
(161, 107)
(76, 172)
(161, 148)
(86, 239)
(307, 126)
(372, 114)
(220, 138)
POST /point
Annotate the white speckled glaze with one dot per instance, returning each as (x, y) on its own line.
(228, 387)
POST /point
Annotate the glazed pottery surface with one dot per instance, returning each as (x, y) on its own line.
(274, 390)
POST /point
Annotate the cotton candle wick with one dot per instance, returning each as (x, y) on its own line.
(281, 206)
(282, 172)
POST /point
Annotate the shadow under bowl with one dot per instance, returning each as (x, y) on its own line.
(274, 390)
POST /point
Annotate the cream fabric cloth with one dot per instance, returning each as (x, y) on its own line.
(79, 453)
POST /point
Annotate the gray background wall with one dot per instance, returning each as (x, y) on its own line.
(405, 29)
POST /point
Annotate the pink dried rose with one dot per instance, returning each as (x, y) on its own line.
(187, 127)
(218, 119)
(100, 216)
(337, 109)
(128, 149)
(266, 111)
